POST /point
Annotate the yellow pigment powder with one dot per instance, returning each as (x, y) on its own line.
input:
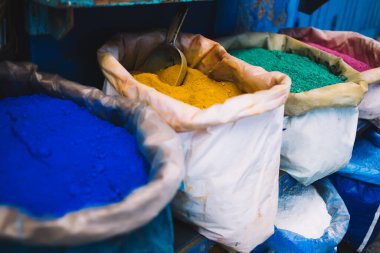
(197, 89)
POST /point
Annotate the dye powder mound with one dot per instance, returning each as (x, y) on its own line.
(356, 64)
(302, 210)
(197, 89)
(305, 74)
(56, 157)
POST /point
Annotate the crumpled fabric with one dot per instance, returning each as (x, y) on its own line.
(157, 141)
(359, 186)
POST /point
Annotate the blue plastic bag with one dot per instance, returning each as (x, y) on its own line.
(284, 241)
(359, 186)
(156, 236)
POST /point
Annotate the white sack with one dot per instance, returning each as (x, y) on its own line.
(369, 108)
(232, 150)
(231, 181)
(318, 143)
(231, 184)
(321, 123)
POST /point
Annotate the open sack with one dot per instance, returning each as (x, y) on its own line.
(157, 142)
(320, 124)
(358, 47)
(232, 150)
(286, 241)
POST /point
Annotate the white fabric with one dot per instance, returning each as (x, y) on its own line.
(318, 143)
(369, 108)
(231, 182)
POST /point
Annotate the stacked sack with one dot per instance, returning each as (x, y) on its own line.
(358, 182)
(319, 133)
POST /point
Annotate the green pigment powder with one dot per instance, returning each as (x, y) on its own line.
(305, 74)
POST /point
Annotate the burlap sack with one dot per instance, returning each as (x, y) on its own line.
(157, 141)
(321, 124)
(231, 149)
(358, 47)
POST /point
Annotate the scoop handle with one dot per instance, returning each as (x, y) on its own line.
(176, 24)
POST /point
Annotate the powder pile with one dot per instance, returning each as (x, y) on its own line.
(56, 157)
(302, 210)
(305, 74)
(197, 89)
(356, 64)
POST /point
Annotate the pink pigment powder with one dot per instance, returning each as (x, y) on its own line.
(356, 64)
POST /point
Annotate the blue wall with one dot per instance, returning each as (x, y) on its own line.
(270, 15)
(74, 56)
(354, 15)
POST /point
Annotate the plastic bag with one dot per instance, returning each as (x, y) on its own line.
(156, 236)
(157, 141)
(321, 120)
(284, 241)
(359, 185)
(231, 149)
(357, 46)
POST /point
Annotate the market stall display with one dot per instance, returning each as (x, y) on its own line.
(265, 140)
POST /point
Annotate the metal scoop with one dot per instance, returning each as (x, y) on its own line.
(167, 54)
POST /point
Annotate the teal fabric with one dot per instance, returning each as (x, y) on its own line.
(156, 236)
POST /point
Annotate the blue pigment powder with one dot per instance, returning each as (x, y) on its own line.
(57, 157)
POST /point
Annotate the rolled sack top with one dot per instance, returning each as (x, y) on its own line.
(352, 44)
(265, 91)
(345, 94)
